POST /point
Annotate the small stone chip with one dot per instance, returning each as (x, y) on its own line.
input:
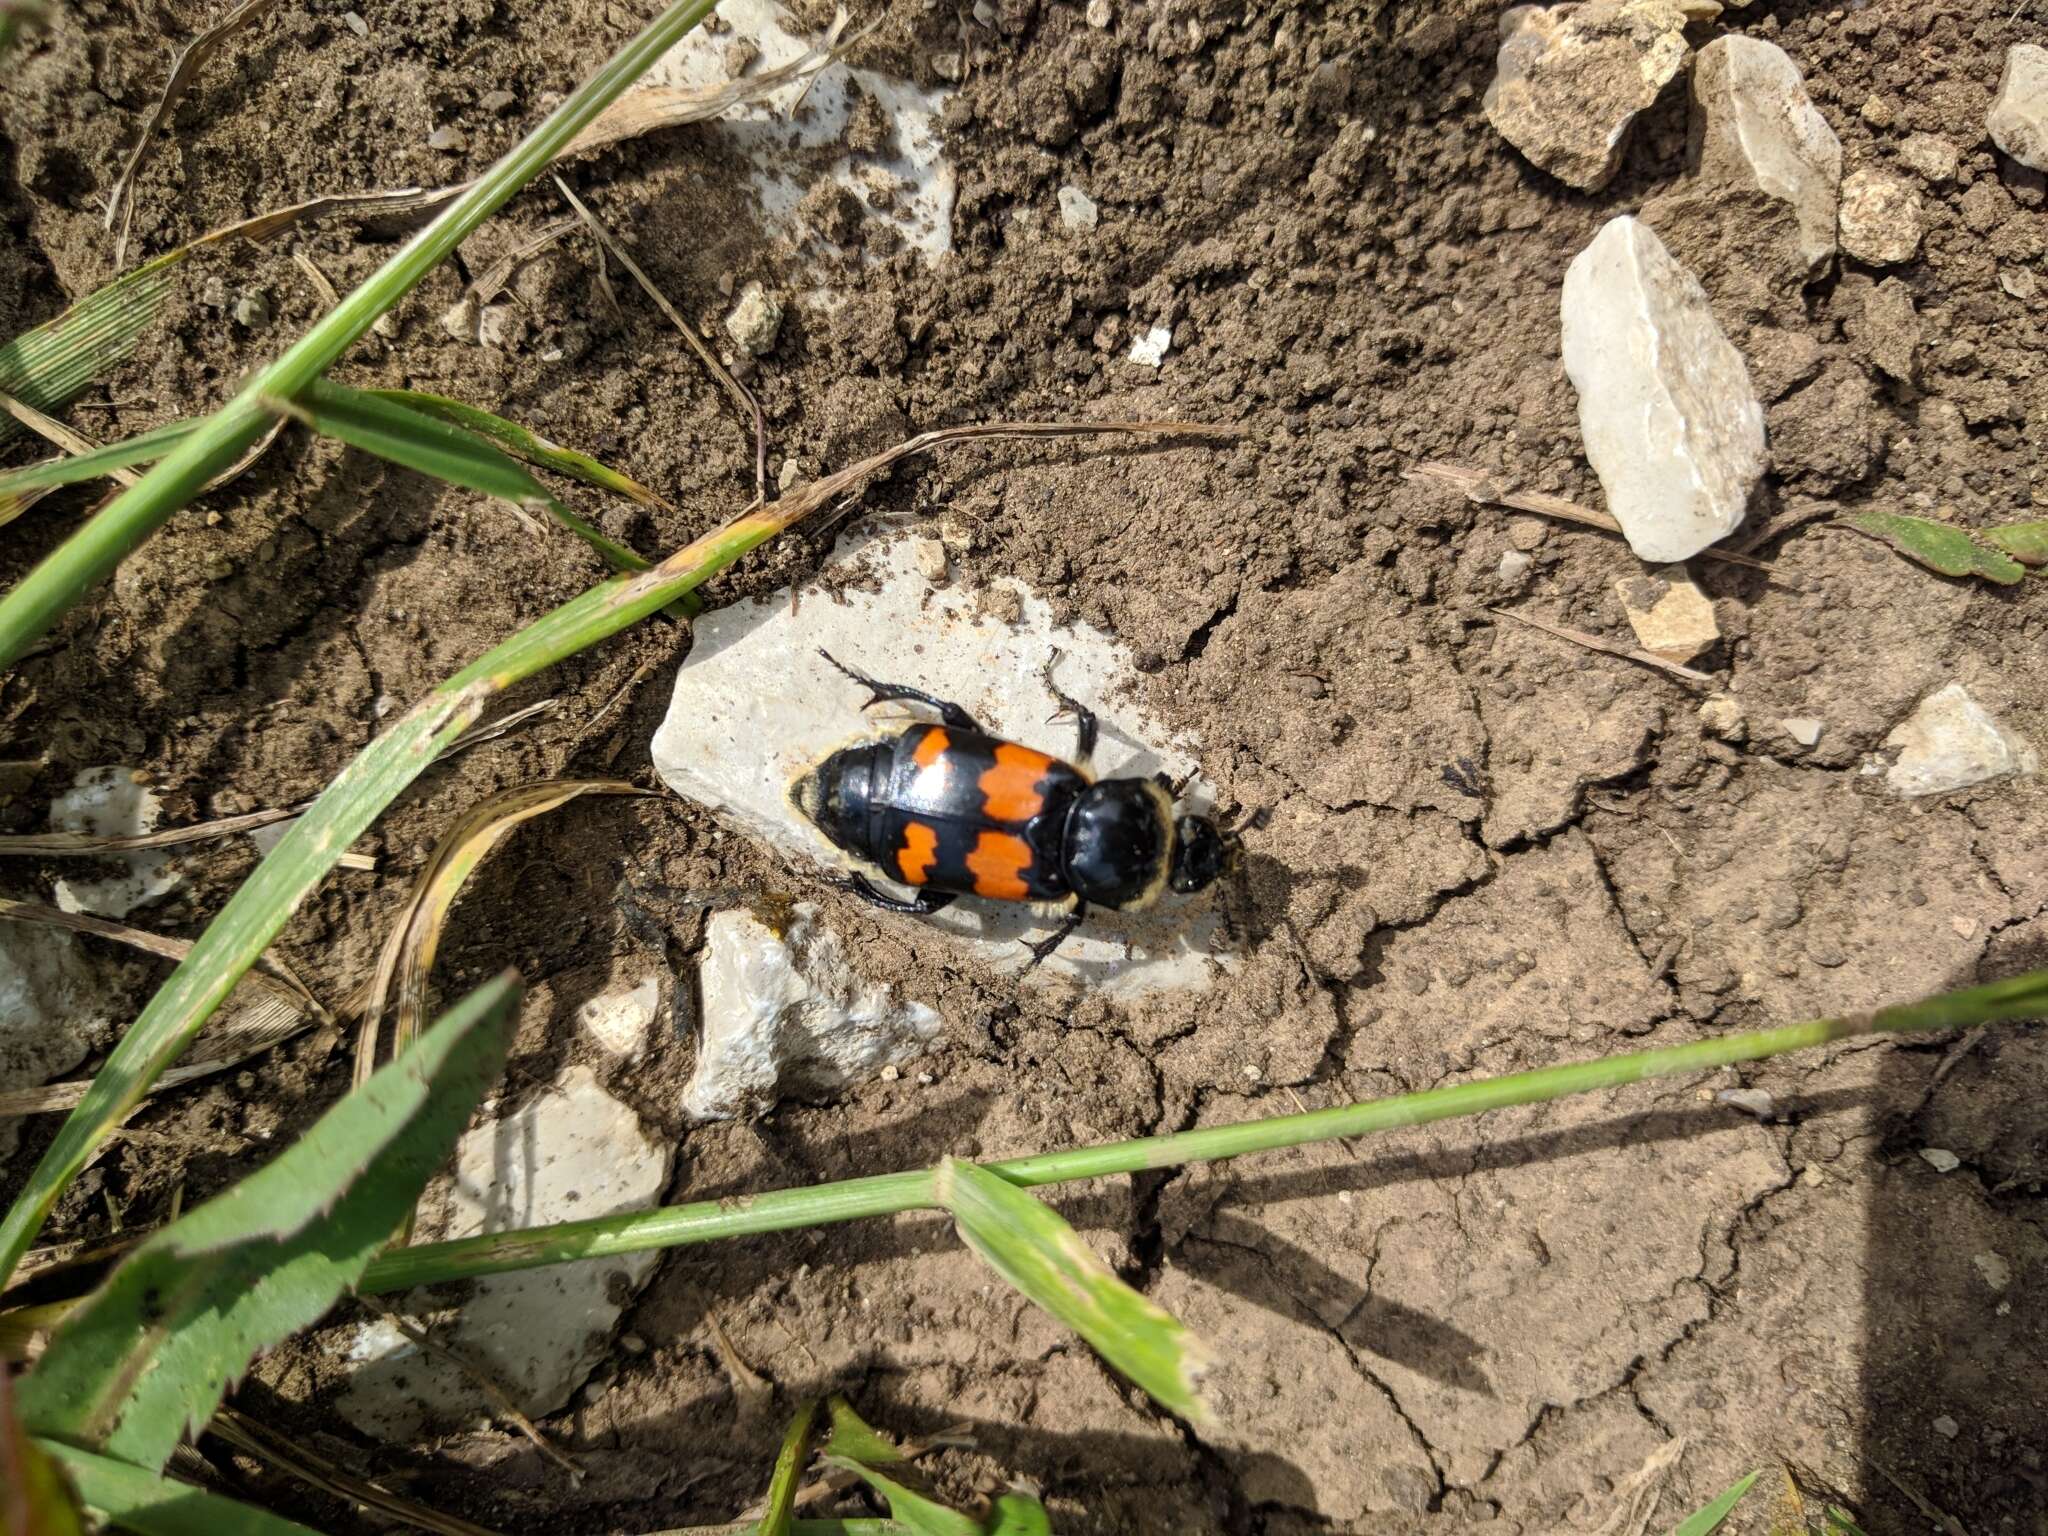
(447, 139)
(1077, 209)
(1804, 729)
(755, 321)
(930, 556)
(355, 23)
(1940, 1159)
(1672, 618)
(1947, 1427)
(1149, 350)
(1880, 218)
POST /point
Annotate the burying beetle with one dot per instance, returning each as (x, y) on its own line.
(953, 811)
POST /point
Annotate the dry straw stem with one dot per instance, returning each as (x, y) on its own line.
(1612, 648)
(121, 201)
(743, 396)
(252, 1437)
(1477, 485)
(379, 774)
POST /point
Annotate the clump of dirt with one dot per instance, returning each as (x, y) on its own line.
(1483, 849)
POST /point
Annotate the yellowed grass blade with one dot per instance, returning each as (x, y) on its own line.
(408, 956)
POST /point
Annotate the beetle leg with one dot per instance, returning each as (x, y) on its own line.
(1044, 947)
(922, 905)
(889, 693)
(1085, 723)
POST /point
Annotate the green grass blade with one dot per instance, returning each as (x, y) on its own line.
(433, 447)
(51, 473)
(852, 1437)
(1940, 547)
(780, 1518)
(1030, 1245)
(523, 443)
(1018, 1514)
(148, 1357)
(266, 900)
(2025, 542)
(91, 554)
(1706, 1520)
(137, 1500)
(1840, 1520)
(913, 1511)
(49, 366)
(2020, 997)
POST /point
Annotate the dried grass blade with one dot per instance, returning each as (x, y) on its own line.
(523, 443)
(1476, 485)
(254, 1438)
(740, 393)
(1612, 648)
(121, 202)
(67, 844)
(269, 970)
(50, 429)
(408, 955)
(490, 282)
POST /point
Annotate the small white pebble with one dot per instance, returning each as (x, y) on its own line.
(1100, 14)
(930, 556)
(355, 23)
(1514, 565)
(1253, 1072)
(1803, 729)
(1077, 208)
(1947, 1427)
(448, 139)
(1149, 350)
(925, 1079)
(1940, 1159)
(891, 1072)
(1996, 1272)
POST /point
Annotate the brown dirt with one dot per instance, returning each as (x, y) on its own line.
(1496, 1319)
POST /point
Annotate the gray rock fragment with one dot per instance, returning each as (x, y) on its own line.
(1881, 218)
(1754, 127)
(1949, 743)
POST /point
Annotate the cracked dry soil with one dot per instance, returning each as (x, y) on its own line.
(1495, 1320)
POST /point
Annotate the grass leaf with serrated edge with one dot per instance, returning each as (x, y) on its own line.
(852, 1437)
(381, 771)
(522, 443)
(34, 1499)
(436, 448)
(1707, 1519)
(1940, 547)
(49, 366)
(16, 485)
(910, 1509)
(147, 1359)
(135, 1499)
(1030, 1245)
(1018, 1514)
(2025, 542)
(780, 1516)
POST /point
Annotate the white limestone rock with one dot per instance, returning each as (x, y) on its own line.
(114, 802)
(784, 1014)
(56, 1005)
(1671, 422)
(572, 1153)
(1950, 742)
(1754, 126)
(737, 747)
(622, 1019)
(1570, 79)
(755, 321)
(2018, 119)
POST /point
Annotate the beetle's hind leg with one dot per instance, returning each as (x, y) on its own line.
(1042, 950)
(923, 904)
(1086, 726)
(888, 693)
